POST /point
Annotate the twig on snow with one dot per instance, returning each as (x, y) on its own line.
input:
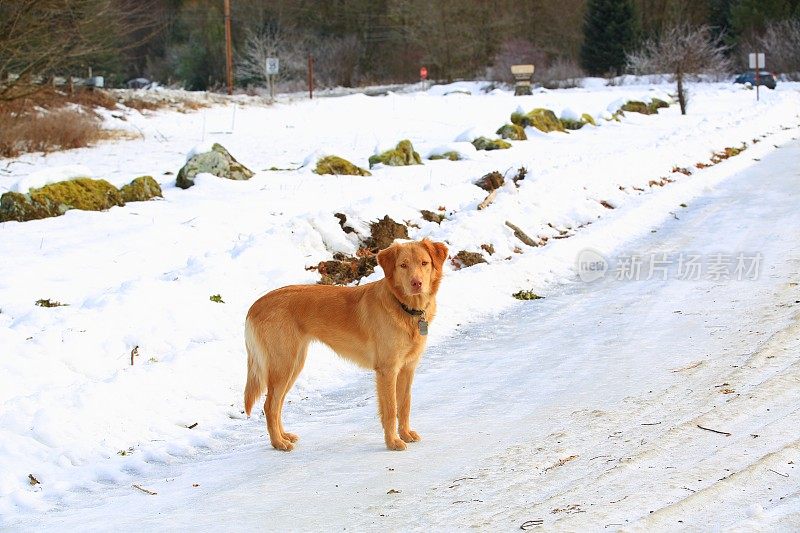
(146, 491)
(715, 430)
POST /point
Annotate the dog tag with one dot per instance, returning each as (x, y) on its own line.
(423, 327)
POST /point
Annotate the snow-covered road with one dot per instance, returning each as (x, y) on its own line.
(577, 412)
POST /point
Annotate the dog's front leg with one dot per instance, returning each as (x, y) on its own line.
(386, 381)
(404, 380)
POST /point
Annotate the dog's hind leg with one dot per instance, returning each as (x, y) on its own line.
(283, 360)
(296, 369)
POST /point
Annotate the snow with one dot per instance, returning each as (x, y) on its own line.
(85, 422)
(54, 174)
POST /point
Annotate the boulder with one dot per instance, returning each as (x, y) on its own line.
(140, 189)
(57, 198)
(452, 155)
(540, 118)
(635, 106)
(218, 162)
(515, 132)
(402, 155)
(339, 166)
(656, 104)
(483, 143)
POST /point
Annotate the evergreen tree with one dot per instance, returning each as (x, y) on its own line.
(608, 32)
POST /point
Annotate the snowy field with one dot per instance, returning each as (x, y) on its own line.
(87, 425)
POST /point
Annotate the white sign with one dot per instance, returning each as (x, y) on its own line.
(273, 65)
(758, 60)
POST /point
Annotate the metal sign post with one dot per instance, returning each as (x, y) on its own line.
(273, 67)
(757, 62)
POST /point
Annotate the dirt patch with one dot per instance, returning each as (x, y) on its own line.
(430, 216)
(465, 259)
(344, 269)
(384, 232)
(491, 181)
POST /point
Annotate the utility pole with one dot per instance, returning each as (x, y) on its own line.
(228, 49)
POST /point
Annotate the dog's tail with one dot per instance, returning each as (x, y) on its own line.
(257, 367)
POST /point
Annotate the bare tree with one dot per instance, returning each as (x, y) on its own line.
(682, 51)
(336, 60)
(42, 38)
(781, 42)
(288, 44)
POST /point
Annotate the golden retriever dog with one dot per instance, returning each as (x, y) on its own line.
(380, 325)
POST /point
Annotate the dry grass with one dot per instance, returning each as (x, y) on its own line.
(54, 130)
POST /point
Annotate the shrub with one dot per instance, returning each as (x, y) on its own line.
(47, 131)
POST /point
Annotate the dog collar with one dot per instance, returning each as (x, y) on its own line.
(412, 312)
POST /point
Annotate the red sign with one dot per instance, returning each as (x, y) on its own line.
(423, 73)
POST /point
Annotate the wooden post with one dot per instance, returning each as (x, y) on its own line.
(310, 76)
(228, 49)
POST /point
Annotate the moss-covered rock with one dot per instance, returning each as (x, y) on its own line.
(576, 124)
(57, 198)
(526, 295)
(141, 189)
(337, 165)
(515, 132)
(540, 118)
(483, 143)
(588, 119)
(218, 162)
(451, 156)
(402, 155)
(635, 106)
(656, 104)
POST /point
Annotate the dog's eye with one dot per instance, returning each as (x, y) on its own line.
(403, 265)
(424, 263)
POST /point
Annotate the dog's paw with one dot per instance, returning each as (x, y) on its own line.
(283, 445)
(395, 444)
(410, 436)
(291, 437)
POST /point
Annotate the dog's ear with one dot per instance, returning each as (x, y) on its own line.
(386, 259)
(437, 251)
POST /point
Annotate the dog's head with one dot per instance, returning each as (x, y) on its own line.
(414, 268)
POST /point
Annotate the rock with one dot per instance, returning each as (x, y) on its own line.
(465, 259)
(588, 119)
(141, 189)
(515, 132)
(218, 162)
(656, 104)
(540, 118)
(482, 143)
(635, 106)
(384, 232)
(402, 155)
(526, 295)
(339, 166)
(572, 124)
(451, 155)
(491, 181)
(57, 198)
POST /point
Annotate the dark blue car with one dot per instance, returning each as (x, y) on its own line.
(766, 79)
